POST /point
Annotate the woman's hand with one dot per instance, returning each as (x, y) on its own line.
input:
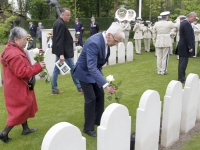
(42, 64)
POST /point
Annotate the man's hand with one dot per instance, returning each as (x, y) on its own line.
(75, 40)
(62, 58)
(190, 50)
(110, 89)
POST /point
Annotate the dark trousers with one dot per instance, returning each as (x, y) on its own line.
(94, 104)
(40, 42)
(182, 65)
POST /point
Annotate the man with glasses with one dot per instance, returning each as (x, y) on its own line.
(88, 70)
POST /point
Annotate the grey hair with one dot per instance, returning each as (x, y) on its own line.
(17, 32)
(116, 28)
(191, 14)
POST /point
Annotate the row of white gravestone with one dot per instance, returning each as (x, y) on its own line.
(118, 55)
(181, 110)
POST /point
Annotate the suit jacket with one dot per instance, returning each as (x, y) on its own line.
(186, 41)
(161, 33)
(94, 28)
(33, 30)
(138, 31)
(39, 32)
(62, 40)
(89, 65)
(78, 28)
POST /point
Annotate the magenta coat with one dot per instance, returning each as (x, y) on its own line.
(20, 101)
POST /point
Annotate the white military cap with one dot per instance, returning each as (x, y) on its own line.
(92, 17)
(147, 21)
(159, 17)
(139, 18)
(165, 13)
(197, 18)
(182, 17)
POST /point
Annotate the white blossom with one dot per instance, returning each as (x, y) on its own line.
(110, 78)
(36, 51)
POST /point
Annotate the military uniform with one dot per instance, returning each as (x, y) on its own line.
(162, 42)
(138, 36)
(126, 32)
(147, 36)
(196, 37)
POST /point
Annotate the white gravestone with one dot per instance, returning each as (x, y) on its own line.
(112, 58)
(115, 128)
(45, 33)
(148, 121)
(198, 110)
(121, 52)
(75, 55)
(63, 136)
(31, 55)
(49, 59)
(0, 79)
(129, 51)
(171, 114)
(190, 103)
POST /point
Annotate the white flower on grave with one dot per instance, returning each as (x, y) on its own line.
(79, 49)
(110, 78)
(36, 51)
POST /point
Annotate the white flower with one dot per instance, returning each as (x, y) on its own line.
(78, 32)
(79, 48)
(110, 78)
(36, 51)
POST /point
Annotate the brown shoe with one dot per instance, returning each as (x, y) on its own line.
(80, 91)
(57, 92)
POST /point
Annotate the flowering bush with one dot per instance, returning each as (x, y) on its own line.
(79, 49)
(39, 56)
(118, 95)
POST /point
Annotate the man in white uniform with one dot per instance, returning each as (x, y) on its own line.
(147, 35)
(196, 35)
(162, 40)
(138, 35)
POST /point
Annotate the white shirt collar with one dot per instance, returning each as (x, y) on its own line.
(104, 37)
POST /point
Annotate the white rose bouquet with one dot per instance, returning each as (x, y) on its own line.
(39, 56)
(79, 49)
(118, 95)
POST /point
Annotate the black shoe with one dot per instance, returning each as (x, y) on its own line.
(5, 139)
(91, 133)
(29, 131)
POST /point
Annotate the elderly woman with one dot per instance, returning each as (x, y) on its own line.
(19, 100)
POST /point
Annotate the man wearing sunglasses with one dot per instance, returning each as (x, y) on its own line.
(88, 70)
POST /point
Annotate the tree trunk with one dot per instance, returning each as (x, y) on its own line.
(115, 5)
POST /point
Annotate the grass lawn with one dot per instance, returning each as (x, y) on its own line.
(136, 76)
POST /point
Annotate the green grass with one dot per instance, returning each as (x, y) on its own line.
(136, 76)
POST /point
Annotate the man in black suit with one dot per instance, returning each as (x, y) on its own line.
(33, 30)
(63, 48)
(185, 45)
(94, 27)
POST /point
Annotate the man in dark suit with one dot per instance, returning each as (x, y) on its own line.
(185, 45)
(88, 70)
(94, 27)
(33, 30)
(63, 48)
(79, 28)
